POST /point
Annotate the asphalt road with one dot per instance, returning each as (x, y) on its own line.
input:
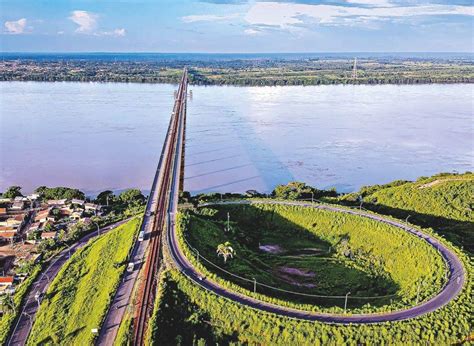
(456, 278)
(121, 300)
(30, 307)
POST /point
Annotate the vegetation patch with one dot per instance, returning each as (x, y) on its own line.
(323, 255)
(79, 296)
(14, 305)
(443, 201)
(189, 314)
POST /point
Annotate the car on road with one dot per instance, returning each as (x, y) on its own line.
(131, 267)
(141, 236)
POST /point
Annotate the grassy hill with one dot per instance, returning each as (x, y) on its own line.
(443, 202)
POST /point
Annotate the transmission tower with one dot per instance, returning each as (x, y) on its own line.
(354, 69)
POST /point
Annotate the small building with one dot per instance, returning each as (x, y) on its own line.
(4, 229)
(3, 211)
(33, 196)
(6, 284)
(77, 201)
(48, 235)
(56, 202)
(12, 221)
(44, 215)
(76, 215)
(8, 235)
(34, 227)
(91, 207)
(66, 211)
(18, 205)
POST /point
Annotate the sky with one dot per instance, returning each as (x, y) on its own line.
(237, 26)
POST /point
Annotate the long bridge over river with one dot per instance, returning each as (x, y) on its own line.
(159, 228)
(135, 296)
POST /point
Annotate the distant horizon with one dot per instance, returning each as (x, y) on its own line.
(236, 53)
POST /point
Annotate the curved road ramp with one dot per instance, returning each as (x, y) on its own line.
(456, 276)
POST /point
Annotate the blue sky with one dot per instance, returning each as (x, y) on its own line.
(237, 26)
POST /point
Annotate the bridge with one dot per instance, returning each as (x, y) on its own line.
(159, 229)
(162, 202)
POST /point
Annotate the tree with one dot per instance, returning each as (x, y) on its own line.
(12, 192)
(297, 190)
(132, 196)
(105, 197)
(225, 250)
(59, 192)
(8, 303)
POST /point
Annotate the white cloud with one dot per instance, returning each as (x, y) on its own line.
(252, 32)
(374, 3)
(87, 21)
(208, 18)
(16, 27)
(290, 15)
(117, 33)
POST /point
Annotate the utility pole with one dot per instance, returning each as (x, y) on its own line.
(312, 197)
(354, 69)
(98, 229)
(228, 222)
(345, 302)
(406, 220)
(254, 285)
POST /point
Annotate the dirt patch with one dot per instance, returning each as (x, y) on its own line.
(297, 272)
(439, 181)
(296, 277)
(271, 248)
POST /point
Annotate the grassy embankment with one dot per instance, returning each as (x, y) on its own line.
(186, 313)
(78, 298)
(320, 253)
(443, 202)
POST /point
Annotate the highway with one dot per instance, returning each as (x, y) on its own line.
(456, 276)
(24, 323)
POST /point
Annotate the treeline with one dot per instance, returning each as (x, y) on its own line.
(260, 72)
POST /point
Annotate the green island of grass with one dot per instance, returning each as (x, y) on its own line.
(311, 251)
(79, 296)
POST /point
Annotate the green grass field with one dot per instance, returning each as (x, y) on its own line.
(443, 202)
(319, 253)
(78, 298)
(189, 315)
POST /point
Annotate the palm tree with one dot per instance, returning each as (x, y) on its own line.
(8, 303)
(225, 250)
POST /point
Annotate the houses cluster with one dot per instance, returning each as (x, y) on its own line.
(27, 221)
(28, 218)
(14, 215)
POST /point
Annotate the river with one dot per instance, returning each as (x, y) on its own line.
(97, 136)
